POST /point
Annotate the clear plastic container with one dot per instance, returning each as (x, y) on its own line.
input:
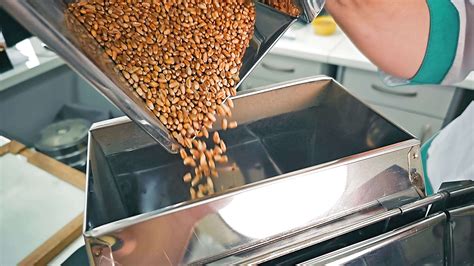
(64, 34)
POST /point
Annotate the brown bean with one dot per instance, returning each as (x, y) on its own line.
(205, 132)
(202, 160)
(192, 192)
(199, 194)
(210, 183)
(223, 159)
(195, 180)
(224, 124)
(233, 124)
(220, 111)
(223, 146)
(211, 117)
(183, 154)
(217, 150)
(195, 153)
(230, 103)
(212, 164)
(188, 142)
(189, 161)
(216, 137)
(187, 177)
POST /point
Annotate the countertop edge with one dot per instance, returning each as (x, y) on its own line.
(341, 53)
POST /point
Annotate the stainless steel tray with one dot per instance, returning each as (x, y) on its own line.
(305, 153)
(70, 40)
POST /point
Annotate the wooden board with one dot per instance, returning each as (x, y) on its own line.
(69, 232)
(56, 168)
(55, 244)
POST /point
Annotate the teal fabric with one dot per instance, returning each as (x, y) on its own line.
(424, 159)
(442, 42)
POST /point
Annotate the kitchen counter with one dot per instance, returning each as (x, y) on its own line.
(29, 59)
(346, 54)
(299, 42)
(336, 49)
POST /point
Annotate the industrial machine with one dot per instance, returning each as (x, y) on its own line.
(314, 175)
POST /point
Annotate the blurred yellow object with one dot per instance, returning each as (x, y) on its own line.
(324, 25)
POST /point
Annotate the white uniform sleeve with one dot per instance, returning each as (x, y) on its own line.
(451, 154)
(463, 62)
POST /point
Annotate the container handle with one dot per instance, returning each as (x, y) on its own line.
(273, 68)
(398, 93)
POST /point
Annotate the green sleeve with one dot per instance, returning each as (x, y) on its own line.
(442, 43)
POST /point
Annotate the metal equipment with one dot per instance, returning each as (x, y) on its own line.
(308, 158)
(65, 141)
(314, 175)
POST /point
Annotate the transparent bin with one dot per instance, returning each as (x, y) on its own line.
(64, 34)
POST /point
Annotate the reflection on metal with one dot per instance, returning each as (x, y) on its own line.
(25, 47)
(423, 202)
(270, 25)
(266, 218)
(301, 161)
(315, 236)
(426, 237)
(461, 228)
(398, 236)
(443, 238)
(309, 9)
(100, 252)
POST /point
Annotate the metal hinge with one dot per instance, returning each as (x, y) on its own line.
(415, 170)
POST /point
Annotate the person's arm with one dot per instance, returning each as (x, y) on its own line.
(392, 34)
(423, 41)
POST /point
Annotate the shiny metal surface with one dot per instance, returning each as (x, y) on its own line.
(56, 138)
(423, 202)
(61, 32)
(347, 240)
(310, 8)
(270, 25)
(325, 230)
(462, 233)
(65, 141)
(421, 243)
(317, 235)
(304, 151)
